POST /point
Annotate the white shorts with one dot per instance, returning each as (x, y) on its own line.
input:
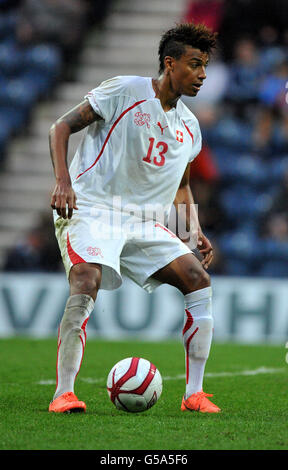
(136, 249)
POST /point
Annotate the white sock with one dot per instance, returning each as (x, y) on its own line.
(71, 341)
(197, 337)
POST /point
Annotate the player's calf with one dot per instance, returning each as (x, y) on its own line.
(71, 342)
(197, 337)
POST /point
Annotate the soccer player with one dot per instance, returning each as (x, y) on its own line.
(139, 142)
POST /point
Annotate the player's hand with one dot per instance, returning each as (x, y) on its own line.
(63, 199)
(205, 249)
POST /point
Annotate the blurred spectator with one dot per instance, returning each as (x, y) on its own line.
(270, 132)
(273, 235)
(204, 166)
(6, 5)
(263, 129)
(276, 227)
(279, 205)
(272, 89)
(238, 20)
(211, 216)
(218, 264)
(273, 242)
(245, 73)
(38, 252)
(280, 137)
(208, 12)
(271, 51)
(248, 17)
(58, 22)
(98, 11)
(208, 115)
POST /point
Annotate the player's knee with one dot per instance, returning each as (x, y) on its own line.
(204, 279)
(198, 279)
(85, 279)
(84, 284)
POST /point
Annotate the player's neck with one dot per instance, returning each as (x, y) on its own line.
(164, 92)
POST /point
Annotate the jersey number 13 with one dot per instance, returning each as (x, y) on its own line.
(162, 148)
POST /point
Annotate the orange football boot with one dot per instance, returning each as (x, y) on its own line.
(199, 402)
(67, 403)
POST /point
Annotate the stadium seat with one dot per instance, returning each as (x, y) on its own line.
(5, 127)
(44, 58)
(241, 203)
(275, 249)
(232, 133)
(273, 268)
(239, 245)
(245, 168)
(237, 267)
(5, 133)
(8, 23)
(270, 57)
(14, 93)
(11, 59)
(14, 118)
(277, 168)
(39, 82)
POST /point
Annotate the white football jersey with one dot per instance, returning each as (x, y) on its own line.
(137, 154)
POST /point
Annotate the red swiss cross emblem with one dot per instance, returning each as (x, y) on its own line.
(179, 136)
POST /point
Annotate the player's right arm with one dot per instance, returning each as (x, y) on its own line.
(73, 121)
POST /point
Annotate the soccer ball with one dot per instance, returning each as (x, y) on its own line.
(134, 384)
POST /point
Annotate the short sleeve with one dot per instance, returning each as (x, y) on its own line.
(197, 143)
(106, 98)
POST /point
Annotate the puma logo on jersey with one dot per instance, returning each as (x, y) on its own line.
(142, 118)
(161, 128)
(179, 136)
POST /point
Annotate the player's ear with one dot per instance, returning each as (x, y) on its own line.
(168, 63)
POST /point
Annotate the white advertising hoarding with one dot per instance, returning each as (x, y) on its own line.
(245, 309)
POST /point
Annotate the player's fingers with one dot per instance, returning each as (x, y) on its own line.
(57, 204)
(52, 201)
(70, 203)
(63, 203)
(210, 258)
(205, 248)
(207, 259)
(207, 254)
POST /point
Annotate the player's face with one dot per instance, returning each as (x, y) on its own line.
(188, 73)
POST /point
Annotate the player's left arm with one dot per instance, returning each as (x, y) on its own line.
(184, 198)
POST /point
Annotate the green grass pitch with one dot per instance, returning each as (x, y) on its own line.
(249, 383)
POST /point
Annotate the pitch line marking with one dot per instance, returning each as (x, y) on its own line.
(260, 370)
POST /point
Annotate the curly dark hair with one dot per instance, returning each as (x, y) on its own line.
(174, 40)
